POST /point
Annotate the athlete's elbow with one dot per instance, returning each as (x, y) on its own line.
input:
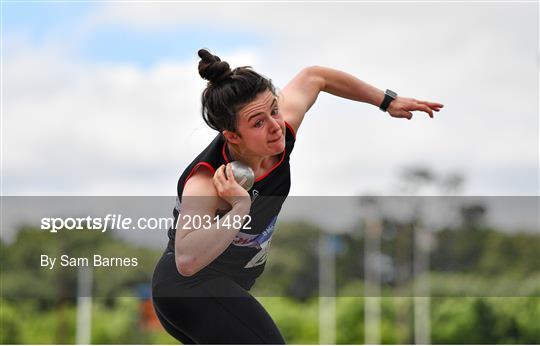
(316, 75)
(186, 265)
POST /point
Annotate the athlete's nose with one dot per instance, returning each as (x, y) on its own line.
(275, 128)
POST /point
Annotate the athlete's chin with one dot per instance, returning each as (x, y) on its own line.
(277, 147)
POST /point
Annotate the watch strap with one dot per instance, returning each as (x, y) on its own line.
(389, 96)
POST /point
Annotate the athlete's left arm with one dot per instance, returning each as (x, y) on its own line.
(301, 93)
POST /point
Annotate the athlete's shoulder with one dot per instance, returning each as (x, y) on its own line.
(200, 194)
(290, 133)
(209, 159)
(200, 182)
(290, 138)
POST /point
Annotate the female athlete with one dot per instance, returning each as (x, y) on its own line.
(223, 232)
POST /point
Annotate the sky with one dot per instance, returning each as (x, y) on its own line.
(103, 99)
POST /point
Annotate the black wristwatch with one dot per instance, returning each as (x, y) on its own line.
(389, 96)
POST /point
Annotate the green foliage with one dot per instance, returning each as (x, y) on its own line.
(23, 323)
(292, 265)
(485, 320)
(453, 321)
(22, 269)
(350, 320)
(517, 254)
(118, 324)
(9, 324)
(463, 285)
(297, 321)
(38, 305)
(486, 251)
(161, 337)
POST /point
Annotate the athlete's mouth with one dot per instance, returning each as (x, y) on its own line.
(275, 140)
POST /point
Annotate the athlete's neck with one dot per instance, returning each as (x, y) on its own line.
(259, 164)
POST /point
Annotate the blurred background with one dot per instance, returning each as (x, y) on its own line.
(103, 99)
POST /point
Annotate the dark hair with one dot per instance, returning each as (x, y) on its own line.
(227, 91)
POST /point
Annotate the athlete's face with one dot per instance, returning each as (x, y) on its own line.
(261, 125)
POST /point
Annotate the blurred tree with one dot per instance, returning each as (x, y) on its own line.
(292, 265)
(22, 268)
(473, 216)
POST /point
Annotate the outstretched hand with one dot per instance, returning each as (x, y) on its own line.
(402, 107)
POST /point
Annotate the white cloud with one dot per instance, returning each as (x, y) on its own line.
(82, 128)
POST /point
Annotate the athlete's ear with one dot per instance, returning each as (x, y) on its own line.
(232, 137)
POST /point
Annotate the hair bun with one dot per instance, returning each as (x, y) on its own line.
(212, 68)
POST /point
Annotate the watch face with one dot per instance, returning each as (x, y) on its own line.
(391, 93)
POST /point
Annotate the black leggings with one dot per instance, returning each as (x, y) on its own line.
(212, 311)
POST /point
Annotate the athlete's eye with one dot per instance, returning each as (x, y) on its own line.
(275, 111)
(258, 123)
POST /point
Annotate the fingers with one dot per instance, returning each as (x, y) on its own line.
(400, 113)
(421, 106)
(218, 178)
(223, 172)
(408, 105)
(227, 187)
(221, 176)
(426, 109)
(433, 105)
(405, 114)
(229, 171)
(224, 178)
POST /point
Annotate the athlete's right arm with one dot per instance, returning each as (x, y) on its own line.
(196, 248)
